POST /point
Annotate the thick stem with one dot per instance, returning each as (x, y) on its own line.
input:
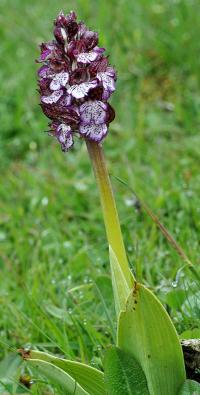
(110, 214)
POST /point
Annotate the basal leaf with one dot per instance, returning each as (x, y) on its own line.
(90, 379)
(58, 377)
(146, 331)
(123, 374)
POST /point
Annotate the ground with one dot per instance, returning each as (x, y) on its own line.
(55, 283)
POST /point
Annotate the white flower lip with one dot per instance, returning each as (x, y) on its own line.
(94, 132)
(87, 57)
(53, 98)
(93, 112)
(107, 81)
(59, 80)
(81, 90)
(64, 136)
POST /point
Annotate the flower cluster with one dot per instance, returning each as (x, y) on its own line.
(75, 83)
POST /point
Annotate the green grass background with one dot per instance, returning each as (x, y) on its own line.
(55, 291)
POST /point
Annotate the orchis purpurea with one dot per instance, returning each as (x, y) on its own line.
(75, 83)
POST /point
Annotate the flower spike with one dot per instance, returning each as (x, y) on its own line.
(75, 83)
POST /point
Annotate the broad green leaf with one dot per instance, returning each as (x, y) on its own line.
(57, 376)
(123, 374)
(90, 379)
(146, 331)
(190, 387)
(121, 289)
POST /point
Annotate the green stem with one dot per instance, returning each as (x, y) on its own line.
(110, 214)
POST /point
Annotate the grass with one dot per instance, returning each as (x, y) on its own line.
(55, 289)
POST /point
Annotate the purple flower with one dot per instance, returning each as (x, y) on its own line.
(53, 98)
(75, 83)
(63, 134)
(88, 57)
(108, 81)
(59, 80)
(90, 38)
(93, 112)
(94, 132)
(46, 51)
(81, 90)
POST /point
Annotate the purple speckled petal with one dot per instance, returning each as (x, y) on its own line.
(59, 80)
(64, 128)
(88, 57)
(53, 98)
(46, 50)
(93, 112)
(64, 131)
(45, 54)
(106, 94)
(111, 72)
(90, 38)
(68, 143)
(60, 34)
(94, 132)
(107, 81)
(65, 101)
(81, 90)
(98, 50)
(63, 134)
(43, 71)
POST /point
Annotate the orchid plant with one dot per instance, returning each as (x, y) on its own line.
(75, 84)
